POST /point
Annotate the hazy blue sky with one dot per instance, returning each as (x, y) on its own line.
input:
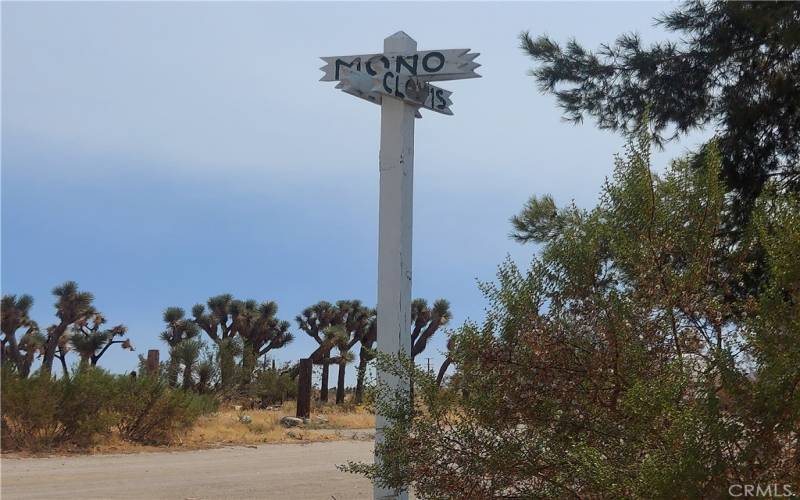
(161, 153)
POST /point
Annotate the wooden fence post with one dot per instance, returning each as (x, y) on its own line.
(152, 362)
(304, 389)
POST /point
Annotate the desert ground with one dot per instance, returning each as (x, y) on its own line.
(267, 471)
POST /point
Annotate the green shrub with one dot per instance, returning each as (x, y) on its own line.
(271, 387)
(151, 412)
(41, 413)
(85, 408)
(29, 411)
(620, 364)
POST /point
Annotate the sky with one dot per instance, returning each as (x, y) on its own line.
(162, 153)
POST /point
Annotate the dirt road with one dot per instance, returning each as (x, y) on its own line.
(271, 471)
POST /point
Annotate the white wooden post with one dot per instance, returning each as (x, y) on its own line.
(397, 79)
(394, 235)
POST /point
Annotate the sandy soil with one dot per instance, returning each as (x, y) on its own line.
(268, 471)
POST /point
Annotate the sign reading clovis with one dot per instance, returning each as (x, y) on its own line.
(409, 89)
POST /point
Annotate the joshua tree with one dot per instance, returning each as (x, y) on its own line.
(61, 353)
(71, 305)
(341, 340)
(255, 325)
(31, 343)
(447, 361)
(260, 331)
(187, 353)
(218, 324)
(228, 350)
(314, 321)
(426, 322)
(321, 355)
(90, 342)
(365, 355)
(13, 316)
(353, 324)
(179, 328)
(206, 370)
(217, 321)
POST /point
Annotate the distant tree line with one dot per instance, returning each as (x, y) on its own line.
(342, 325)
(241, 334)
(245, 332)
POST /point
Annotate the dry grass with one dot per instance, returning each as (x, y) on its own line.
(225, 427)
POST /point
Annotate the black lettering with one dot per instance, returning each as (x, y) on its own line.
(386, 76)
(401, 62)
(440, 99)
(397, 91)
(382, 59)
(339, 63)
(426, 62)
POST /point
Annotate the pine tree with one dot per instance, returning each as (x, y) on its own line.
(735, 67)
(616, 366)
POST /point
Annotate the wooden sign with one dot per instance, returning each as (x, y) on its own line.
(403, 74)
(410, 89)
(428, 65)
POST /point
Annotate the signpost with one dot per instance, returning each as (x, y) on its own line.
(397, 80)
